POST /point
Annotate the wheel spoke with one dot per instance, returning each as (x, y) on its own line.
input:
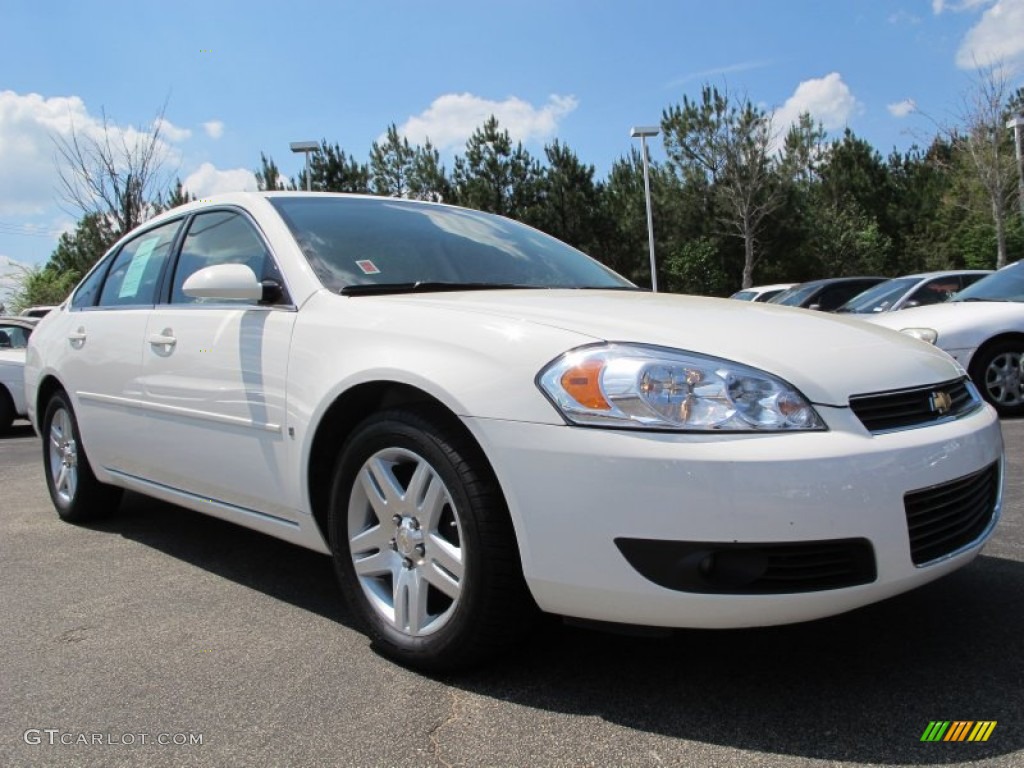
(71, 482)
(434, 499)
(410, 601)
(421, 476)
(448, 557)
(381, 563)
(383, 478)
(376, 537)
(55, 436)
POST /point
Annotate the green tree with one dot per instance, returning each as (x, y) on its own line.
(76, 252)
(428, 179)
(43, 286)
(496, 177)
(268, 177)
(725, 144)
(569, 197)
(621, 223)
(391, 165)
(987, 148)
(331, 170)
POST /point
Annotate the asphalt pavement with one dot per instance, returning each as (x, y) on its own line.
(161, 637)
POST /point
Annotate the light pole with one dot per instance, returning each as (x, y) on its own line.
(1018, 124)
(643, 132)
(306, 147)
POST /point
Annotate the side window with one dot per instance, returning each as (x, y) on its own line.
(969, 280)
(135, 274)
(88, 290)
(13, 337)
(936, 291)
(220, 237)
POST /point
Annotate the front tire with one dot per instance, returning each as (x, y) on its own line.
(423, 544)
(74, 490)
(996, 371)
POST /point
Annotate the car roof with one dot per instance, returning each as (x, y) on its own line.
(26, 322)
(945, 272)
(829, 280)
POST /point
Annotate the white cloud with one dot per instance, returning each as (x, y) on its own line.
(704, 74)
(214, 129)
(904, 17)
(997, 38)
(451, 119)
(828, 100)
(170, 131)
(902, 108)
(207, 180)
(938, 6)
(29, 181)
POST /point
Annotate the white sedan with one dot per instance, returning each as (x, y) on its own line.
(982, 327)
(476, 421)
(14, 333)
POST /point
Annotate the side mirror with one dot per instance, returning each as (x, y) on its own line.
(911, 304)
(815, 306)
(224, 281)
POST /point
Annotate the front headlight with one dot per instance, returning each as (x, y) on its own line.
(632, 385)
(924, 334)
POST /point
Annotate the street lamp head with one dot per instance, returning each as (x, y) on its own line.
(1016, 122)
(643, 131)
(305, 146)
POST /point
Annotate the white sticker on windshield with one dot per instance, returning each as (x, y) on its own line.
(368, 267)
(132, 278)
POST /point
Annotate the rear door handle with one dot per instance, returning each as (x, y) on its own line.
(77, 338)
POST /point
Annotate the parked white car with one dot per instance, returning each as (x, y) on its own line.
(761, 292)
(982, 327)
(14, 333)
(476, 420)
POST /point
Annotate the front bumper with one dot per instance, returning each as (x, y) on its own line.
(573, 492)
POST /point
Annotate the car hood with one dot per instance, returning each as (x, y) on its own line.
(957, 318)
(827, 357)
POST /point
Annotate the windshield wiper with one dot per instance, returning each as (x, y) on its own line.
(424, 286)
(978, 298)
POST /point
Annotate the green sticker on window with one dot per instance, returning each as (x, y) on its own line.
(132, 278)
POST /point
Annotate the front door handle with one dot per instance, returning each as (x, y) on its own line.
(163, 339)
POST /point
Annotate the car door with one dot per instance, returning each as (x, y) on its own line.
(100, 364)
(214, 376)
(935, 291)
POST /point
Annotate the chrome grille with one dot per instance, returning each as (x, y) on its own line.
(907, 408)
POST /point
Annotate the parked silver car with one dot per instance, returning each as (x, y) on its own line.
(912, 291)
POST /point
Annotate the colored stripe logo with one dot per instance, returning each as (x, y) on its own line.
(958, 730)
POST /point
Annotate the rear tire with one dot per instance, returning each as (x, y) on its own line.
(996, 371)
(74, 490)
(6, 411)
(423, 544)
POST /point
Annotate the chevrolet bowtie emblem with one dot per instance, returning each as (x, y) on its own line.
(941, 402)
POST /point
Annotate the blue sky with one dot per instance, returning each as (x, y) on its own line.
(241, 78)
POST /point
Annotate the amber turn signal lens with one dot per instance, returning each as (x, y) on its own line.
(583, 383)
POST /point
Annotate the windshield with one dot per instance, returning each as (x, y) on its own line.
(744, 295)
(353, 241)
(881, 297)
(1005, 285)
(794, 297)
